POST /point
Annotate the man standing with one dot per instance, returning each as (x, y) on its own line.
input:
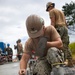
(58, 21)
(19, 48)
(46, 43)
(9, 53)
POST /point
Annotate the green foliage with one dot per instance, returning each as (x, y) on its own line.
(69, 11)
(72, 47)
(70, 22)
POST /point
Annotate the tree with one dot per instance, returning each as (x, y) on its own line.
(69, 11)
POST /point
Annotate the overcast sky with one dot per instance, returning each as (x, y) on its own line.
(13, 14)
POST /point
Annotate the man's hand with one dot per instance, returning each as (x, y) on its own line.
(22, 72)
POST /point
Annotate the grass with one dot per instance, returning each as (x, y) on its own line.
(73, 56)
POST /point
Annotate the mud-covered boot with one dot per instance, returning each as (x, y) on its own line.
(70, 63)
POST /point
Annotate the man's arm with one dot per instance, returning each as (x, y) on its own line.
(57, 43)
(52, 21)
(11, 51)
(23, 63)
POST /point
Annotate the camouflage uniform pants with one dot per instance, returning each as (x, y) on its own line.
(43, 64)
(63, 32)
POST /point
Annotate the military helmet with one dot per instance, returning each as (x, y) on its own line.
(34, 25)
(8, 44)
(19, 40)
(49, 4)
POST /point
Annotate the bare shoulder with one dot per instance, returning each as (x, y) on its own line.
(50, 27)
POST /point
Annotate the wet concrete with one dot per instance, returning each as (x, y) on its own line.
(9, 69)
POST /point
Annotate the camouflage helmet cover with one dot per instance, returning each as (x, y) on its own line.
(49, 4)
(34, 25)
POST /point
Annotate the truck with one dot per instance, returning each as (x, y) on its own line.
(2, 47)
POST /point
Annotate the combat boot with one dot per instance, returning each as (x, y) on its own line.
(70, 63)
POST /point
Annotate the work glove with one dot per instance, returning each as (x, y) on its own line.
(41, 48)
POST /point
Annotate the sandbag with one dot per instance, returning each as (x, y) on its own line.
(64, 70)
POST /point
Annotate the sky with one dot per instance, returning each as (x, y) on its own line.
(13, 14)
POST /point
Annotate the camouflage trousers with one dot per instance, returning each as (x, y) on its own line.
(43, 65)
(63, 32)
